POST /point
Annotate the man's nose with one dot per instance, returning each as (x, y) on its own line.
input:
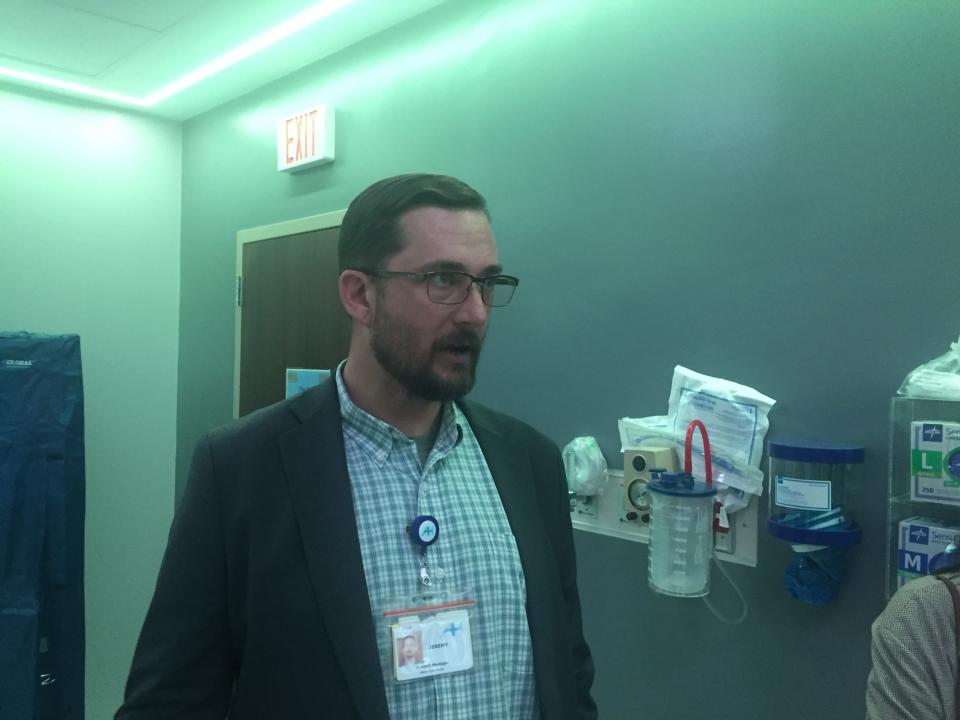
(473, 310)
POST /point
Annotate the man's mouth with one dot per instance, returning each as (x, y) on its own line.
(461, 347)
(460, 351)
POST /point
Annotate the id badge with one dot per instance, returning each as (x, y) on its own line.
(432, 638)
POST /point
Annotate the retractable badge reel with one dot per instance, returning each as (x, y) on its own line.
(424, 531)
(429, 631)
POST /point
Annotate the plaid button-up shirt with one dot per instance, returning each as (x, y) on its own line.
(475, 550)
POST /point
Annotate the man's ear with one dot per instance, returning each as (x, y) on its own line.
(356, 295)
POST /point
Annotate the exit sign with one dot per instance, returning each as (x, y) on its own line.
(305, 139)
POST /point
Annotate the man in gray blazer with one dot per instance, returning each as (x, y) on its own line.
(315, 534)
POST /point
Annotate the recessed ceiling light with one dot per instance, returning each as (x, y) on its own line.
(72, 87)
(262, 41)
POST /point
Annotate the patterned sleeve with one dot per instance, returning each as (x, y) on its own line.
(914, 655)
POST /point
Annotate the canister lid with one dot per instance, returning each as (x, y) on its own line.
(680, 485)
(816, 452)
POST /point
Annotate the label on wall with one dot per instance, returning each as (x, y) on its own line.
(300, 379)
(305, 139)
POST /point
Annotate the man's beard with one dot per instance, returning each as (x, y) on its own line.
(391, 345)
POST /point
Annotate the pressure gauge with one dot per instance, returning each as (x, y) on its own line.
(637, 494)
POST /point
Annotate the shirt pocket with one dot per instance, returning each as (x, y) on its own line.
(502, 571)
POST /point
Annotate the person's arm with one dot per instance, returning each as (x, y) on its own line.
(912, 673)
(183, 666)
(894, 687)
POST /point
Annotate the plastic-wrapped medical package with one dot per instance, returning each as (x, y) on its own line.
(938, 379)
(585, 465)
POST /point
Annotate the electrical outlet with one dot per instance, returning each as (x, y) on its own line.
(739, 544)
(723, 541)
(723, 531)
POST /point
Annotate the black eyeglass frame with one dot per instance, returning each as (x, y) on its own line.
(482, 282)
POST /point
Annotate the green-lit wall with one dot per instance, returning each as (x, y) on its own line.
(90, 244)
(766, 191)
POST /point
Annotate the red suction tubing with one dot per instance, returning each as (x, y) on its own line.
(688, 450)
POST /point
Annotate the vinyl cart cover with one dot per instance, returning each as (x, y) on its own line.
(41, 527)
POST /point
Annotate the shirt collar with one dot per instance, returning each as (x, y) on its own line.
(379, 437)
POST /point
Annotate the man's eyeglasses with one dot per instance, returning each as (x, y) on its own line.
(448, 287)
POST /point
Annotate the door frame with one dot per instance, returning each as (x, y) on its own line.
(323, 221)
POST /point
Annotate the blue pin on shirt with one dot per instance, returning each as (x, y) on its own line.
(424, 530)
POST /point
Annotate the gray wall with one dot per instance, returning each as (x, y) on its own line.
(89, 244)
(766, 191)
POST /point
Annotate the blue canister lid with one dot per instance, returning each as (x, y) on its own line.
(816, 452)
(680, 485)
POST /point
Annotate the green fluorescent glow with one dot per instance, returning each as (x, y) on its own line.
(262, 41)
(446, 49)
(72, 87)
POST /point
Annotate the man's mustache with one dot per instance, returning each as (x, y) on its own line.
(468, 340)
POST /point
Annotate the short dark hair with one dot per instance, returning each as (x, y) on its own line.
(370, 234)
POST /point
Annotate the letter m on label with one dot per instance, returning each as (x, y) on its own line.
(913, 562)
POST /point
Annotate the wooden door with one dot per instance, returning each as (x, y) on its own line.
(289, 311)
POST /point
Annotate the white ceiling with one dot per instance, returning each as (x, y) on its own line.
(135, 47)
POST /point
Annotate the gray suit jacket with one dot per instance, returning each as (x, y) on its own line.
(261, 607)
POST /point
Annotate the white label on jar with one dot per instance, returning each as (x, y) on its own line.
(802, 494)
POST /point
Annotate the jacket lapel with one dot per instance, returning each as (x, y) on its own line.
(509, 463)
(316, 470)
(510, 467)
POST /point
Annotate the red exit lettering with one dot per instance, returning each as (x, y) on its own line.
(301, 137)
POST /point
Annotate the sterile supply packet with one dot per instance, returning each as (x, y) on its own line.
(938, 379)
(585, 466)
(734, 478)
(735, 415)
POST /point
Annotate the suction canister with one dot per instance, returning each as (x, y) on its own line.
(681, 535)
(681, 526)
